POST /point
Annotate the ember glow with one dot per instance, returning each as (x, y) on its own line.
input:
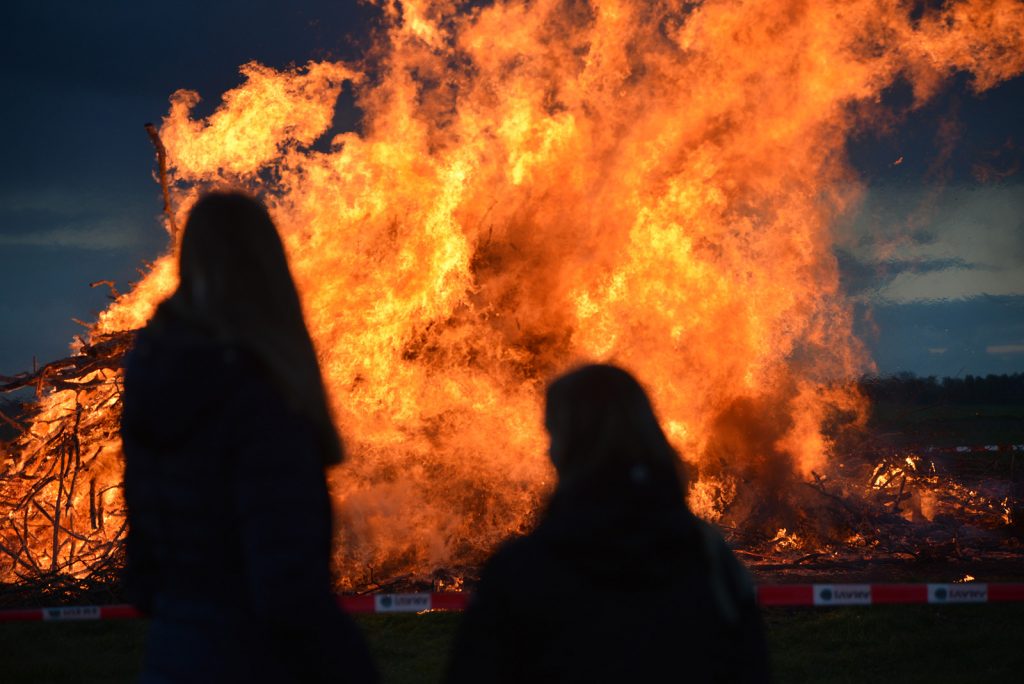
(540, 184)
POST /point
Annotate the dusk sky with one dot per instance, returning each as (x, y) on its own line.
(78, 202)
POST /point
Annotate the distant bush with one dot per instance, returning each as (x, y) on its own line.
(908, 388)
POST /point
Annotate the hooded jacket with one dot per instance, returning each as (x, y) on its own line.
(229, 517)
(623, 587)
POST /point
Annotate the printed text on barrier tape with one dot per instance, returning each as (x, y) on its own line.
(72, 613)
(877, 594)
(401, 603)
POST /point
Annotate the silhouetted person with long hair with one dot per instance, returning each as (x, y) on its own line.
(226, 435)
(619, 582)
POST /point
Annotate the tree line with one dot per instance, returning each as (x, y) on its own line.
(908, 388)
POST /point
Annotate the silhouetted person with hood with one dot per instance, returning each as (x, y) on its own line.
(226, 435)
(619, 582)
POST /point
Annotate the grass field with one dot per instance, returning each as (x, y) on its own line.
(973, 643)
(948, 425)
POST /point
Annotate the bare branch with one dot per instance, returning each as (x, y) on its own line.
(161, 158)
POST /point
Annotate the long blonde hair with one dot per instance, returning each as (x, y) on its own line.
(235, 285)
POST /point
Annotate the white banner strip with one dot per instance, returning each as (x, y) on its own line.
(401, 603)
(72, 613)
(973, 592)
(842, 594)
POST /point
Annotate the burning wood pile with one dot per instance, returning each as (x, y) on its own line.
(63, 526)
(533, 185)
(904, 514)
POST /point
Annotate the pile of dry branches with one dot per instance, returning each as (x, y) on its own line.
(63, 522)
(901, 512)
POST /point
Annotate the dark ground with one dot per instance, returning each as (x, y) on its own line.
(948, 424)
(971, 643)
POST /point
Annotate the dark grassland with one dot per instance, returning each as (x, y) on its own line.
(912, 411)
(948, 426)
(973, 643)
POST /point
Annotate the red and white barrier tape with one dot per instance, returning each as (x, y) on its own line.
(370, 603)
(821, 595)
(876, 594)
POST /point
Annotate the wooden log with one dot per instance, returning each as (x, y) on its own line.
(76, 449)
(92, 504)
(899, 495)
(100, 518)
(56, 511)
(24, 540)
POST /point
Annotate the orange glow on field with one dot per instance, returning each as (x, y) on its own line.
(540, 184)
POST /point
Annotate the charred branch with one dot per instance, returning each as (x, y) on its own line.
(105, 353)
(114, 294)
(13, 423)
(899, 495)
(161, 158)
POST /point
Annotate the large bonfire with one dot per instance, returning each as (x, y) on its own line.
(534, 185)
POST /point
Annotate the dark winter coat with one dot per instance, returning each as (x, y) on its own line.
(622, 590)
(229, 518)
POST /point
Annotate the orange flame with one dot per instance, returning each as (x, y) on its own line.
(539, 184)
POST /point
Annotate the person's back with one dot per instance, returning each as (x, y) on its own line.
(619, 582)
(230, 520)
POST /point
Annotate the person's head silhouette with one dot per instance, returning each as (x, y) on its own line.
(604, 432)
(235, 285)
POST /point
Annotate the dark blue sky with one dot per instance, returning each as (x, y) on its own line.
(78, 203)
(77, 199)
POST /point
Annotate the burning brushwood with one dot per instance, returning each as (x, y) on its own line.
(60, 479)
